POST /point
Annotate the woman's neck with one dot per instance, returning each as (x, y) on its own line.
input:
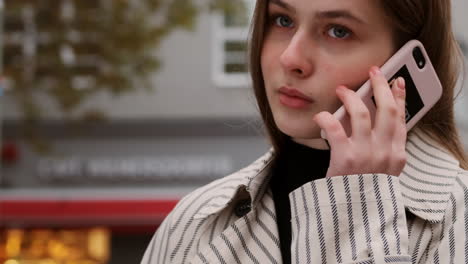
(316, 143)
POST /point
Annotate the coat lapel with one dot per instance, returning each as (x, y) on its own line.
(252, 238)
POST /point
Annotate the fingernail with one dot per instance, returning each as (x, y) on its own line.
(374, 71)
(401, 83)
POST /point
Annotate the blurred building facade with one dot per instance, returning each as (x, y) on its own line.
(123, 175)
(199, 123)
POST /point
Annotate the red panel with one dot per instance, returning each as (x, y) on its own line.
(85, 212)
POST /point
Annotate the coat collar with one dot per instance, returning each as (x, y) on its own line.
(248, 182)
(426, 181)
(428, 177)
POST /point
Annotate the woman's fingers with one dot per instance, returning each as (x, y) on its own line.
(399, 93)
(336, 135)
(387, 112)
(361, 126)
(369, 149)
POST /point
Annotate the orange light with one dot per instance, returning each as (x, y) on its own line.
(48, 246)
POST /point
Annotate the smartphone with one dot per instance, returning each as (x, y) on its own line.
(423, 87)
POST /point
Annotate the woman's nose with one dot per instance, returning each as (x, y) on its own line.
(296, 58)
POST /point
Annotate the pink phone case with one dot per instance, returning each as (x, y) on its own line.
(427, 86)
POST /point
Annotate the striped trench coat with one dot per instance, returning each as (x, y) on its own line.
(418, 217)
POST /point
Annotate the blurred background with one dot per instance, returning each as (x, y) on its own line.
(112, 110)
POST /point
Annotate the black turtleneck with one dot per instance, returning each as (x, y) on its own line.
(296, 165)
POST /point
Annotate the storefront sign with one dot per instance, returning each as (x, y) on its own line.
(169, 168)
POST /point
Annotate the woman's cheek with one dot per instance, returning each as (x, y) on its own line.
(336, 75)
(267, 57)
(360, 78)
(351, 77)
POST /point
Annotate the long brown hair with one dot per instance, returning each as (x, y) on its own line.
(429, 21)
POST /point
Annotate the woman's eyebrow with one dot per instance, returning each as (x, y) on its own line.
(283, 5)
(338, 14)
(330, 14)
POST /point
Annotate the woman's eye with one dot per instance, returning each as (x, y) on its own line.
(338, 32)
(283, 21)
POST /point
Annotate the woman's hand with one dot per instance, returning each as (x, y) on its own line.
(377, 149)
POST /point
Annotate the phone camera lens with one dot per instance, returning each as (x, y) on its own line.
(419, 57)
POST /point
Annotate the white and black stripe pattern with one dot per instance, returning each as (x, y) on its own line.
(395, 217)
(365, 216)
(352, 238)
(320, 230)
(323, 211)
(246, 241)
(336, 224)
(428, 176)
(295, 230)
(465, 215)
(382, 219)
(418, 217)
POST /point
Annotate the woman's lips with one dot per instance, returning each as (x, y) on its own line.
(293, 98)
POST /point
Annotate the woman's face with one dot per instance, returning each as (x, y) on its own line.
(313, 46)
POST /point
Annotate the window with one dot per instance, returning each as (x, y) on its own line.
(230, 32)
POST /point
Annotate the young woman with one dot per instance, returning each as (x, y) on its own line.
(379, 195)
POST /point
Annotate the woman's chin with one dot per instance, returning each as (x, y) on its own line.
(300, 131)
(309, 136)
